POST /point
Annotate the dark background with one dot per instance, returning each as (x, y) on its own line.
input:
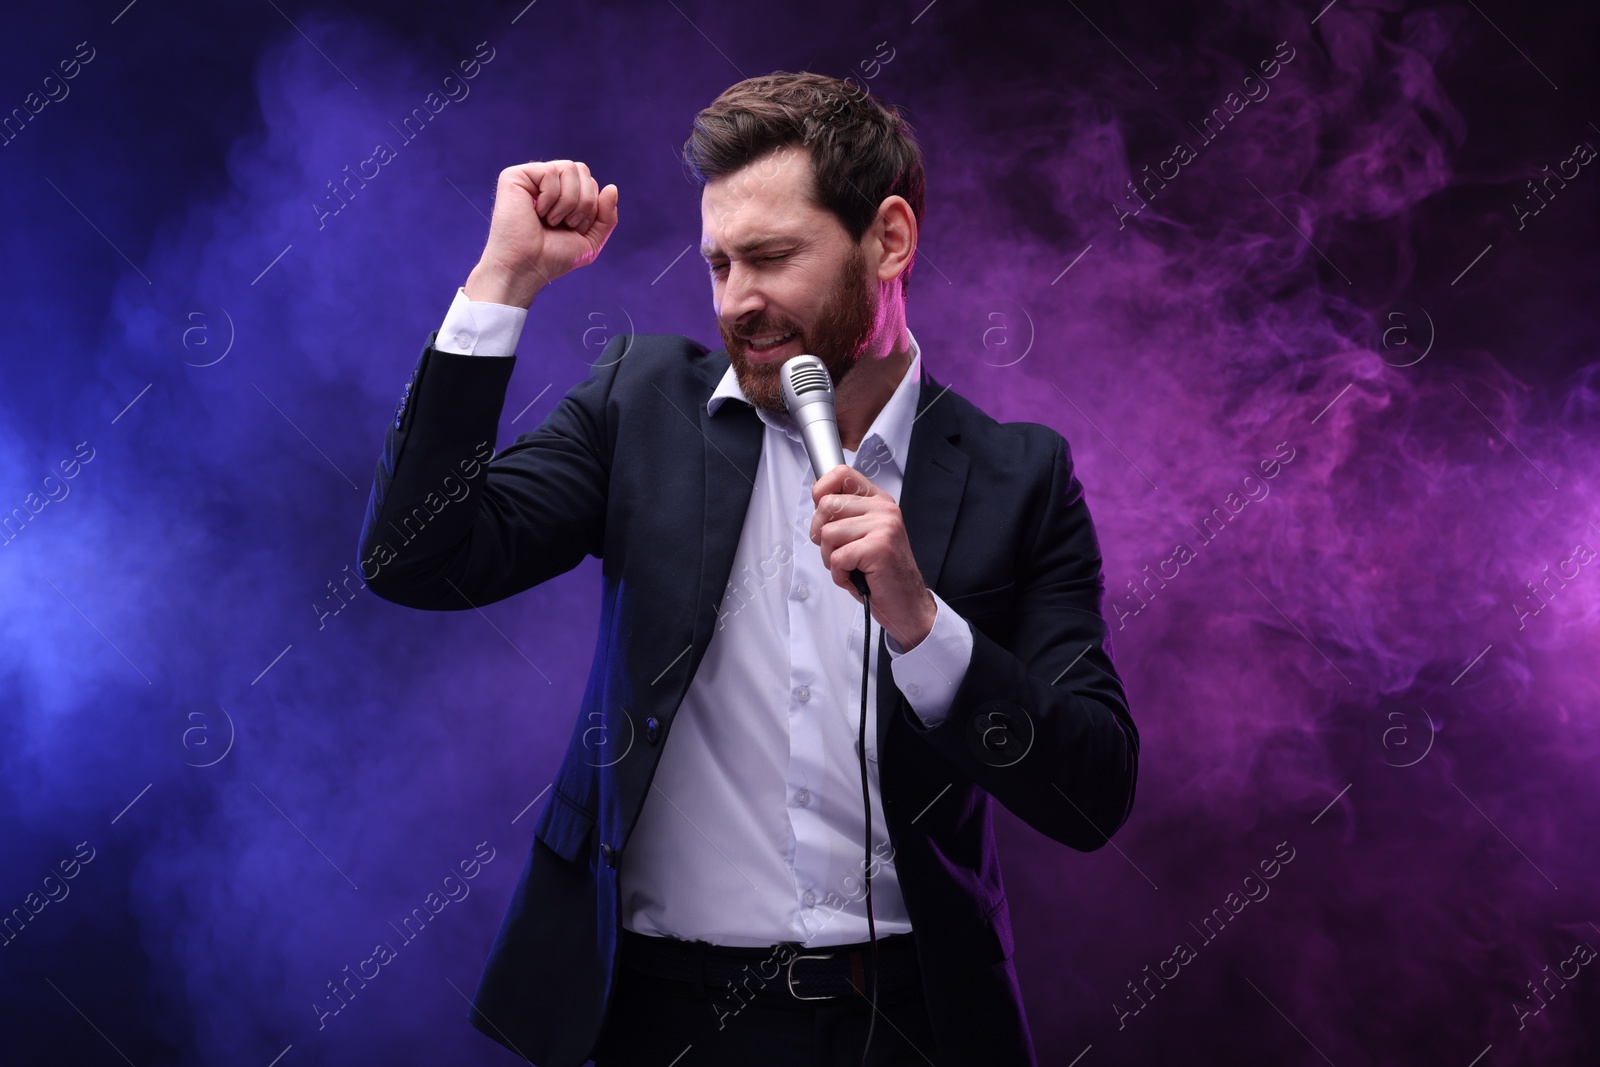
(269, 777)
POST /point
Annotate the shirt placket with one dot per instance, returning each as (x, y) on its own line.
(810, 701)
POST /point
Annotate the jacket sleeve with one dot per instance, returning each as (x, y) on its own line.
(1043, 725)
(450, 525)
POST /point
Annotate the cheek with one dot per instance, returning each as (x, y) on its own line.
(798, 303)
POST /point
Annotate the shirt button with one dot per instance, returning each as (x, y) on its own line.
(913, 689)
(803, 693)
(464, 340)
(803, 797)
(809, 899)
(802, 592)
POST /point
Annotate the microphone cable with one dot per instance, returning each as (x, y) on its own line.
(860, 583)
(808, 397)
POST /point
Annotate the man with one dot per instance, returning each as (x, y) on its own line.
(689, 898)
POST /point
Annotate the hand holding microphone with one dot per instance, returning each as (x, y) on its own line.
(858, 526)
(808, 393)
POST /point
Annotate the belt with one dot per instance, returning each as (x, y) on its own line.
(787, 970)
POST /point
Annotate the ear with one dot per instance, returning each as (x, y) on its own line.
(894, 235)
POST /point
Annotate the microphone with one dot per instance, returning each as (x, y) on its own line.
(808, 394)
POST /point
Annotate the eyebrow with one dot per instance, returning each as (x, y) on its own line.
(750, 244)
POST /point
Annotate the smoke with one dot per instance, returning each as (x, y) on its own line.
(1380, 654)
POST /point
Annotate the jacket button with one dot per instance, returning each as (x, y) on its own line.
(608, 854)
(652, 729)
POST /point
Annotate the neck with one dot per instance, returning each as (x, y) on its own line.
(869, 385)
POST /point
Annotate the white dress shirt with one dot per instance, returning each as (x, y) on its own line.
(752, 825)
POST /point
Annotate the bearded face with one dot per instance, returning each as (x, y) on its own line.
(838, 333)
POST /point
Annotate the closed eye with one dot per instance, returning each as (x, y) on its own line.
(717, 268)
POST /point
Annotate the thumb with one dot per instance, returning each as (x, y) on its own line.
(606, 216)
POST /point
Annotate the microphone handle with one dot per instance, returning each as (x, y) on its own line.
(821, 437)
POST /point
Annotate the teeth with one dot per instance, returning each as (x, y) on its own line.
(762, 347)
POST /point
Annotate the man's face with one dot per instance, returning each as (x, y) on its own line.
(780, 265)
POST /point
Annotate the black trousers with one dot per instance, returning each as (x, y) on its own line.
(656, 1022)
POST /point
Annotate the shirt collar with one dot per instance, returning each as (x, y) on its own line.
(890, 431)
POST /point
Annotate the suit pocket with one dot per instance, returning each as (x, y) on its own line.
(563, 826)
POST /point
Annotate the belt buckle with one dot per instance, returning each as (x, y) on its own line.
(789, 975)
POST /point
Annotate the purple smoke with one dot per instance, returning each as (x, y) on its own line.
(1365, 273)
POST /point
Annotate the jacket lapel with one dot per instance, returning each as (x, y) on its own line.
(732, 453)
(930, 494)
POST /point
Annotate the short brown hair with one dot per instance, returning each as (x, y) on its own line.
(862, 149)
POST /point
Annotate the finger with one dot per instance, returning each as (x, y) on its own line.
(569, 198)
(829, 541)
(574, 218)
(588, 193)
(841, 505)
(825, 511)
(606, 213)
(841, 576)
(588, 206)
(522, 176)
(550, 198)
(856, 483)
(828, 483)
(519, 182)
(836, 536)
(549, 192)
(852, 482)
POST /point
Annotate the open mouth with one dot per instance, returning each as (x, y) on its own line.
(770, 345)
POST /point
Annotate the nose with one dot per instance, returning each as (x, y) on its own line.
(741, 296)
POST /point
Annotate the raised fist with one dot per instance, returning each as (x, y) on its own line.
(549, 218)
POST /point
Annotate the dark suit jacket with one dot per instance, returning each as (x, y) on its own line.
(630, 469)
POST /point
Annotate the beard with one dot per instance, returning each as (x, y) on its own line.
(839, 336)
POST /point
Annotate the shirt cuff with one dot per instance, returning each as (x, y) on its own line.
(480, 328)
(930, 688)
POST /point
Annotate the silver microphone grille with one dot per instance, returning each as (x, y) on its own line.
(809, 378)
